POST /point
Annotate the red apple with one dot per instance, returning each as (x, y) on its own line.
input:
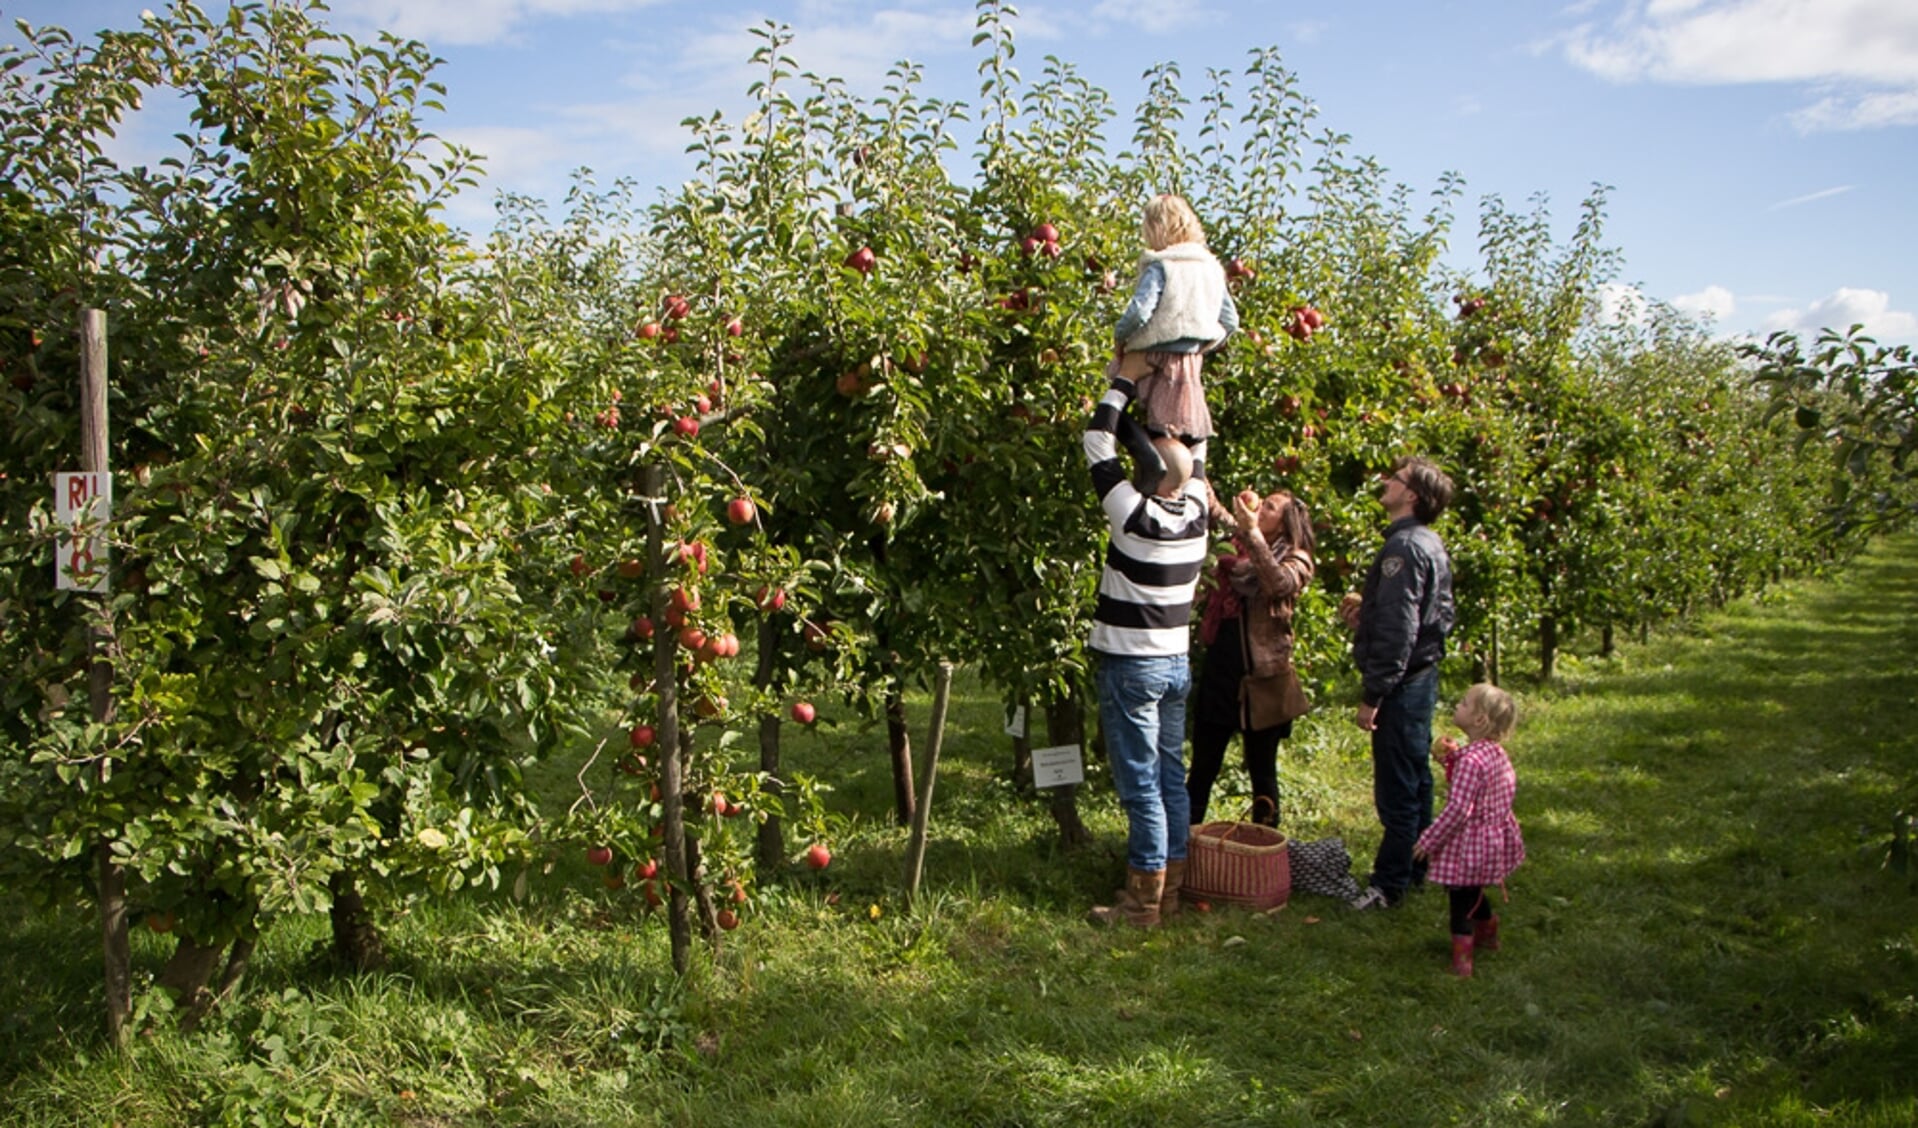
(710, 706)
(771, 599)
(579, 567)
(739, 891)
(632, 568)
(692, 638)
(1031, 245)
(643, 627)
(646, 870)
(719, 803)
(642, 736)
(728, 920)
(686, 425)
(735, 327)
(599, 855)
(160, 922)
(652, 894)
(863, 260)
(817, 856)
(649, 330)
(740, 511)
(803, 712)
(677, 306)
(1046, 233)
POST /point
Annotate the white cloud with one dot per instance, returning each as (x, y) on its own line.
(1809, 197)
(1845, 307)
(1714, 303)
(1861, 54)
(1859, 111)
(1154, 16)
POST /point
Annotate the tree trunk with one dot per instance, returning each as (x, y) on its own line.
(1065, 724)
(186, 974)
(708, 913)
(772, 837)
(1022, 744)
(1492, 660)
(356, 939)
(899, 740)
(1547, 645)
(203, 1001)
(1606, 643)
(115, 945)
(672, 745)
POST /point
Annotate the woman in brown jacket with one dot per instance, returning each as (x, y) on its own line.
(1247, 634)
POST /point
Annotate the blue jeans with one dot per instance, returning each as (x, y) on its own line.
(1142, 709)
(1402, 780)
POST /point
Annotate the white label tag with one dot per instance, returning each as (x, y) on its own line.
(1057, 767)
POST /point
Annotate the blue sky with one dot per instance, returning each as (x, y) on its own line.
(1762, 153)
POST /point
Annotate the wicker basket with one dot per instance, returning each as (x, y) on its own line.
(1238, 862)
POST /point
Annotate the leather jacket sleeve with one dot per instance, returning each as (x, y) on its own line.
(1282, 575)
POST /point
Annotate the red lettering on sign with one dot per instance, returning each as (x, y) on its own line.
(78, 491)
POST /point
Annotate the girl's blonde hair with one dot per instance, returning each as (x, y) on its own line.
(1168, 220)
(1495, 708)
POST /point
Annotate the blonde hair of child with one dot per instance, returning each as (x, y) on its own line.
(1494, 709)
(1168, 220)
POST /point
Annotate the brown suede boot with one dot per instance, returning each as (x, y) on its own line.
(1137, 904)
(1169, 905)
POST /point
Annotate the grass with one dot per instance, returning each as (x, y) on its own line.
(1704, 935)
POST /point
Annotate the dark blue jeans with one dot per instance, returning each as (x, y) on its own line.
(1402, 780)
(1142, 708)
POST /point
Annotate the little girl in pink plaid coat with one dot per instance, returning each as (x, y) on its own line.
(1475, 841)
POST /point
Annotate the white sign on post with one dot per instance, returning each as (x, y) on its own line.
(1057, 767)
(1016, 721)
(80, 564)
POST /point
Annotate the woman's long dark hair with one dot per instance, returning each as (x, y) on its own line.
(1295, 523)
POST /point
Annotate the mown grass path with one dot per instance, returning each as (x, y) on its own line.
(1704, 935)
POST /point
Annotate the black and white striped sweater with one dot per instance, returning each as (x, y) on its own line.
(1157, 551)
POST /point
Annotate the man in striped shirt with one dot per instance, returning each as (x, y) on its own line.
(1140, 636)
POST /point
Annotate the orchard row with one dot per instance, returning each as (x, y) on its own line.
(399, 517)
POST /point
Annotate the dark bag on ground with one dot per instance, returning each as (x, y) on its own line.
(1323, 867)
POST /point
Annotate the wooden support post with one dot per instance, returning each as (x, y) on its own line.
(115, 946)
(922, 812)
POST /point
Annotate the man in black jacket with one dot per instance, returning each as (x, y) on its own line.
(1402, 619)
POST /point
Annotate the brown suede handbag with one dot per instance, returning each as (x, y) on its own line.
(1273, 698)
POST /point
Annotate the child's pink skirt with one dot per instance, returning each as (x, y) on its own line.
(1169, 392)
